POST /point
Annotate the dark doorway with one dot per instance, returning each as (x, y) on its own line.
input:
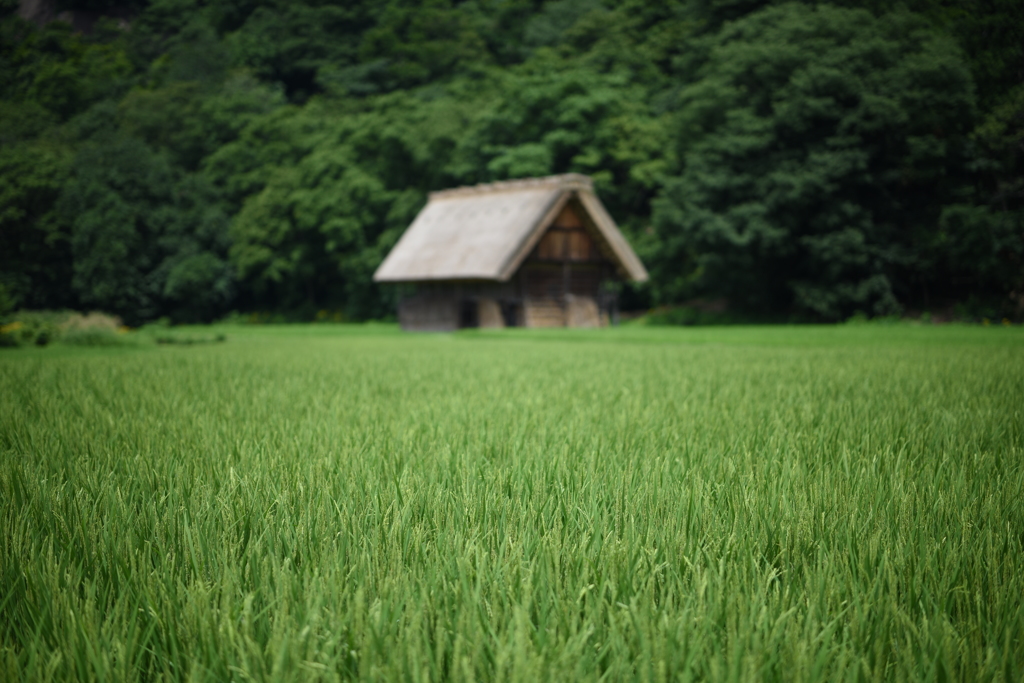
(510, 313)
(469, 315)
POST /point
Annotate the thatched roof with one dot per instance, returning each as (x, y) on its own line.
(484, 232)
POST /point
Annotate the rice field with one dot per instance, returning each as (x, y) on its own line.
(307, 503)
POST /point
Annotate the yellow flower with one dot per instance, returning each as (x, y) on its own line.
(11, 327)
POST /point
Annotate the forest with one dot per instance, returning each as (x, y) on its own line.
(186, 159)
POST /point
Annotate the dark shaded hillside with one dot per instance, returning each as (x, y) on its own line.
(188, 158)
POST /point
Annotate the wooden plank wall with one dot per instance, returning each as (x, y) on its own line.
(544, 313)
(432, 311)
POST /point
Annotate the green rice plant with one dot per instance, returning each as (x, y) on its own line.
(348, 502)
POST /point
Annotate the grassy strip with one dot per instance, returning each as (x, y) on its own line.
(314, 503)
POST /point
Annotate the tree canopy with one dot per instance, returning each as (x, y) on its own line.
(798, 161)
(810, 157)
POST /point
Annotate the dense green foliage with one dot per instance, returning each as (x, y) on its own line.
(800, 161)
(811, 160)
(332, 502)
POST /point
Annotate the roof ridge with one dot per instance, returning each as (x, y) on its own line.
(568, 181)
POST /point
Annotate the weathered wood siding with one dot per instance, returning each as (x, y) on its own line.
(430, 311)
(489, 313)
(544, 312)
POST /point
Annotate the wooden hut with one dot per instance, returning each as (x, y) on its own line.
(539, 252)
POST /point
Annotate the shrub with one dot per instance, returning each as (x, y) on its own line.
(687, 315)
(93, 329)
(187, 340)
(31, 327)
(92, 321)
(93, 337)
(40, 328)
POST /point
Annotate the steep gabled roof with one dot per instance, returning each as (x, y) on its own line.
(484, 232)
